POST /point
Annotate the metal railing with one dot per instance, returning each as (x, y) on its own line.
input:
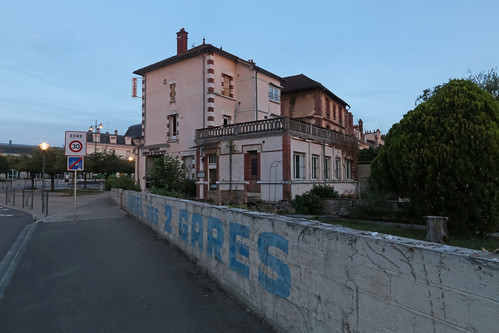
(269, 127)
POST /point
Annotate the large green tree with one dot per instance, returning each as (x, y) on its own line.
(168, 177)
(107, 163)
(443, 156)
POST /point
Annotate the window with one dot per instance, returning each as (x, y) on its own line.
(328, 109)
(337, 168)
(227, 85)
(189, 163)
(173, 127)
(340, 115)
(112, 139)
(327, 167)
(348, 169)
(315, 166)
(172, 92)
(227, 120)
(212, 171)
(334, 112)
(299, 166)
(273, 93)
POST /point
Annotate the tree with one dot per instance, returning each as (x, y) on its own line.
(107, 163)
(55, 163)
(168, 177)
(488, 81)
(443, 156)
(4, 164)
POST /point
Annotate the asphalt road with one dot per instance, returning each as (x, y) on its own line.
(12, 223)
(113, 275)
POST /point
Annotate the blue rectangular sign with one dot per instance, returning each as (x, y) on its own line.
(75, 163)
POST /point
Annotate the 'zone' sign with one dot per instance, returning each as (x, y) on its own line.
(76, 143)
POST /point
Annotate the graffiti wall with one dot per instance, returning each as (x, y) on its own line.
(304, 276)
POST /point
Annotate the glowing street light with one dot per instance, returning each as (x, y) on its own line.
(94, 129)
(44, 147)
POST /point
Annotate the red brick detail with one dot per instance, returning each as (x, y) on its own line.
(211, 90)
(211, 100)
(211, 80)
(211, 118)
(211, 109)
(231, 95)
(211, 71)
(210, 62)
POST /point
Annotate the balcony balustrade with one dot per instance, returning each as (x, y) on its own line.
(271, 127)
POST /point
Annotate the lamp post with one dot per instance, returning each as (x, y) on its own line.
(95, 129)
(43, 146)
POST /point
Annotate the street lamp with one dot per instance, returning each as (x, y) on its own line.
(97, 129)
(130, 159)
(43, 146)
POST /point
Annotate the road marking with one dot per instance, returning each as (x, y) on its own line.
(7, 215)
(13, 257)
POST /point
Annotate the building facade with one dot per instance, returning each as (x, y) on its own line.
(121, 145)
(234, 127)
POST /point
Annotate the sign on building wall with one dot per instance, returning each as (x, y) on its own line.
(134, 87)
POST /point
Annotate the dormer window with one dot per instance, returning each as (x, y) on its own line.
(112, 139)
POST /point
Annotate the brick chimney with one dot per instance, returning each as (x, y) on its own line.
(181, 41)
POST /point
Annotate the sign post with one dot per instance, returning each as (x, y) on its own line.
(75, 149)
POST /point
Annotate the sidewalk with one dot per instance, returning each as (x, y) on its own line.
(60, 205)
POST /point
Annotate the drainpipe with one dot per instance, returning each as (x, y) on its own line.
(325, 163)
(256, 94)
(204, 92)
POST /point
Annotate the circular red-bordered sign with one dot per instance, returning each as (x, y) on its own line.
(75, 146)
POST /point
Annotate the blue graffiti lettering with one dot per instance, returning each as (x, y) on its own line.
(281, 286)
(238, 248)
(168, 220)
(214, 244)
(197, 230)
(183, 229)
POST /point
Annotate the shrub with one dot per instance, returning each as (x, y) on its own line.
(310, 202)
(123, 182)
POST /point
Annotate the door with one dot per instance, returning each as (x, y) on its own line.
(253, 170)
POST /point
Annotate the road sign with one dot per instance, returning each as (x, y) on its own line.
(75, 163)
(76, 143)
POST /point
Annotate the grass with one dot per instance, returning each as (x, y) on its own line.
(465, 241)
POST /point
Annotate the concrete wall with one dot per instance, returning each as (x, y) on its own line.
(304, 276)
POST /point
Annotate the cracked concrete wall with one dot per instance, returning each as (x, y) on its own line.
(304, 276)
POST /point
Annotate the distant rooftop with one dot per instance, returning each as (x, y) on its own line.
(302, 82)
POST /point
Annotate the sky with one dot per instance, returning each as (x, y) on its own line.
(65, 65)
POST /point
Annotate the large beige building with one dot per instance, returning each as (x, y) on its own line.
(232, 124)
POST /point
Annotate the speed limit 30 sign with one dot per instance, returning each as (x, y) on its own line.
(76, 143)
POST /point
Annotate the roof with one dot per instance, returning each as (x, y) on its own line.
(302, 82)
(134, 131)
(20, 149)
(16, 149)
(196, 51)
(105, 138)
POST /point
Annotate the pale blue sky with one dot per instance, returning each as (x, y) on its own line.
(64, 64)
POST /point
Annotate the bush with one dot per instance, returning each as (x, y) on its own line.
(310, 202)
(123, 182)
(443, 156)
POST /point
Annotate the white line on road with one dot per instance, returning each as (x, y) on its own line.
(12, 258)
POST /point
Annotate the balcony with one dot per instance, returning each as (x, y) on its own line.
(271, 127)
